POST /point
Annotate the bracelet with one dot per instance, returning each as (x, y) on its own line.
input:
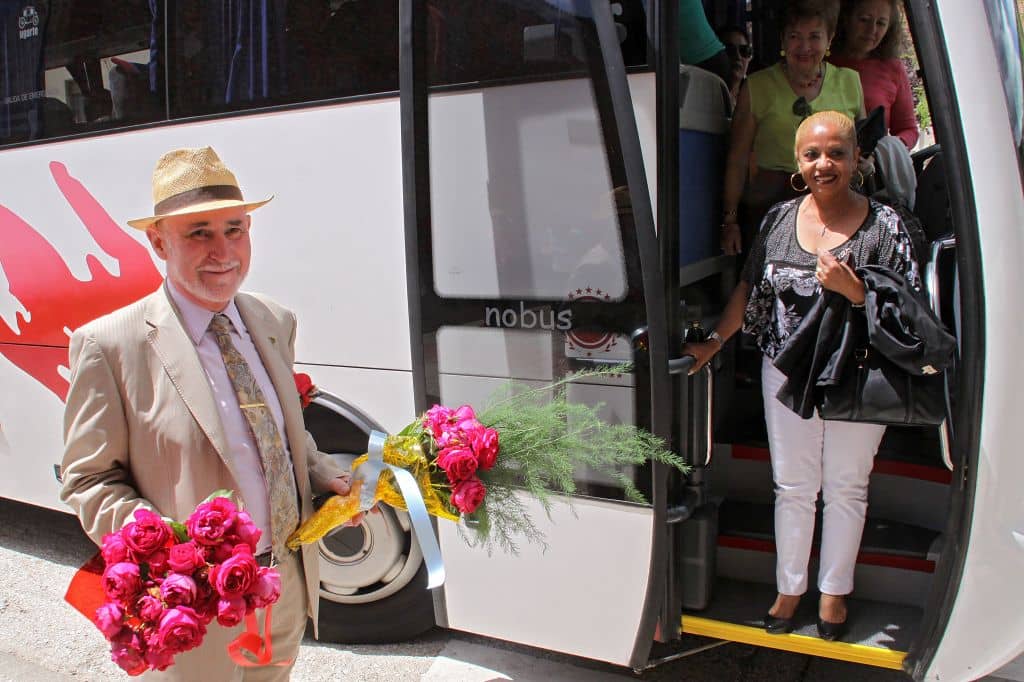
(729, 214)
(715, 336)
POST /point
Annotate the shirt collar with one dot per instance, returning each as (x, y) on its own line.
(197, 319)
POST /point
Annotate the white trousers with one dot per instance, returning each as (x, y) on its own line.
(809, 455)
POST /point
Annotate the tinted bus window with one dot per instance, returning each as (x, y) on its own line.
(1005, 20)
(473, 41)
(237, 54)
(69, 67)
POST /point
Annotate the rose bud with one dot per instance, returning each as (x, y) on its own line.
(180, 630)
(127, 651)
(185, 557)
(122, 581)
(178, 589)
(113, 549)
(468, 495)
(266, 589)
(235, 576)
(230, 612)
(146, 534)
(109, 619)
(211, 521)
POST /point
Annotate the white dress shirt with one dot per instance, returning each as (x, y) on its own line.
(243, 454)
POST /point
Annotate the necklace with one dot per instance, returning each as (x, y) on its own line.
(804, 84)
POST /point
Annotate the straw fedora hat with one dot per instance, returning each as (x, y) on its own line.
(192, 181)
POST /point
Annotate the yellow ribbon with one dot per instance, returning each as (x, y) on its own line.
(402, 451)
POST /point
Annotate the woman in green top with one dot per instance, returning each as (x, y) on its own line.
(771, 105)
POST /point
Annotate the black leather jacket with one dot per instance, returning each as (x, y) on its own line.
(896, 321)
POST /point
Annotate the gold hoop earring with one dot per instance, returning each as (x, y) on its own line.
(860, 179)
(828, 53)
(792, 183)
(782, 53)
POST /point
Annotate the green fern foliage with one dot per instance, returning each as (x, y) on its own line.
(544, 438)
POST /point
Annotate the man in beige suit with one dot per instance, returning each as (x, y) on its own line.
(191, 390)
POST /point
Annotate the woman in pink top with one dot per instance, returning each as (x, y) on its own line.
(869, 40)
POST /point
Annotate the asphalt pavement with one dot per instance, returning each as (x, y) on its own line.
(43, 639)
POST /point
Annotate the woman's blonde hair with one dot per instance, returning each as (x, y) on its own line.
(842, 123)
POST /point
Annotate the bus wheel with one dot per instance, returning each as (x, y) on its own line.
(373, 582)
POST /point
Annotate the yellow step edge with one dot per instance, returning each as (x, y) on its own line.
(801, 644)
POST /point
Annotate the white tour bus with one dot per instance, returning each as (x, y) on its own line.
(469, 191)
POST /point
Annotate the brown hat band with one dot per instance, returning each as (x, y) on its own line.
(196, 196)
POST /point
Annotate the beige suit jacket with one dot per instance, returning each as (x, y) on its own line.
(141, 428)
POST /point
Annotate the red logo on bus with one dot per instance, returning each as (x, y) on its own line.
(56, 301)
(589, 343)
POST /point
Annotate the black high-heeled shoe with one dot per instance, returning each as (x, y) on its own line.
(777, 626)
(829, 631)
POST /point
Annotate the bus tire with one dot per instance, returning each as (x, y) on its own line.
(399, 617)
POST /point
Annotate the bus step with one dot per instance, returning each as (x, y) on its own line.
(878, 634)
(884, 538)
(886, 463)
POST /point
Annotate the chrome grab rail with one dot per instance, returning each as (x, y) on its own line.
(931, 283)
(710, 417)
(931, 270)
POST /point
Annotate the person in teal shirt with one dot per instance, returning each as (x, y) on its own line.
(698, 44)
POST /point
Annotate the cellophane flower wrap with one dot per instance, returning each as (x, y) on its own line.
(164, 582)
(469, 464)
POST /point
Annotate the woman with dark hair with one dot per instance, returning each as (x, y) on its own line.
(869, 40)
(739, 52)
(770, 106)
(806, 246)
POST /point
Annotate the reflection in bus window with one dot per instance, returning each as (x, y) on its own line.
(485, 42)
(68, 67)
(1007, 29)
(238, 54)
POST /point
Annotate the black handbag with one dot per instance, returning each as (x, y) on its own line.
(899, 369)
(874, 390)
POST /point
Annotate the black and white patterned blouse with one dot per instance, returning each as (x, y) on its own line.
(781, 272)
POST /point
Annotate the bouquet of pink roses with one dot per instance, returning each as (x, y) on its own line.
(163, 582)
(470, 464)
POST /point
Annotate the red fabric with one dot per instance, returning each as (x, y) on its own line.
(885, 84)
(85, 593)
(259, 648)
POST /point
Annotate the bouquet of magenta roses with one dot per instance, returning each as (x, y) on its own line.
(163, 582)
(470, 464)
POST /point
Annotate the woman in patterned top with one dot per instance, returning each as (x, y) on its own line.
(806, 245)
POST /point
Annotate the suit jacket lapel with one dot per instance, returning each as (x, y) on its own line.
(181, 362)
(264, 329)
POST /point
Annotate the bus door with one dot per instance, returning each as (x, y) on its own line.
(532, 254)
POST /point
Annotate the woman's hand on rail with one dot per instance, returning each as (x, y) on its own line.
(703, 352)
(732, 243)
(839, 277)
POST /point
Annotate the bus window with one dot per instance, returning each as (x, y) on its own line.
(231, 56)
(74, 67)
(1006, 23)
(486, 42)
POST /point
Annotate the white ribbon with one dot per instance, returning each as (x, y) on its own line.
(369, 472)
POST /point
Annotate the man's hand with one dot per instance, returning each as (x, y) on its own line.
(839, 277)
(341, 485)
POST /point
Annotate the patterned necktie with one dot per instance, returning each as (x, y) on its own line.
(284, 513)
